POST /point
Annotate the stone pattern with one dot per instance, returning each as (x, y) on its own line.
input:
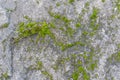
(18, 61)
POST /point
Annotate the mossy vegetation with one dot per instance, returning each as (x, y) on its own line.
(4, 76)
(78, 25)
(58, 4)
(4, 25)
(71, 1)
(114, 57)
(87, 4)
(93, 20)
(78, 65)
(79, 69)
(42, 29)
(46, 73)
(103, 1)
(40, 67)
(117, 2)
(81, 62)
(94, 14)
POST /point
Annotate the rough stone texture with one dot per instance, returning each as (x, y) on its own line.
(18, 60)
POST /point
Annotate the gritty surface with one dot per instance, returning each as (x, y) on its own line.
(18, 61)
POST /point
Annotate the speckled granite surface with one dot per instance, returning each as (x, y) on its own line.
(26, 60)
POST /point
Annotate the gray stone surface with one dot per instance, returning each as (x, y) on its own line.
(19, 61)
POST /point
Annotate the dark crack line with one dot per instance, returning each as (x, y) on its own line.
(12, 55)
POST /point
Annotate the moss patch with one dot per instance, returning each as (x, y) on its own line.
(4, 25)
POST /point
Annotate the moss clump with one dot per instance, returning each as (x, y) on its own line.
(118, 5)
(94, 14)
(87, 4)
(42, 29)
(39, 65)
(78, 25)
(115, 57)
(103, 0)
(47, 74)
(79, 69)
(58, 4)
(93, 21)
(4, 25)
(71, 1)
(69, 45)
(59, 17)
(4, 76)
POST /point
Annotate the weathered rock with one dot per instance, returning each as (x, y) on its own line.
(94, 25)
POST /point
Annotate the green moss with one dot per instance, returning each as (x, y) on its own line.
(59, 17)
(103, 0)
(112, 17)
(115, 57)
(55, 15)
(67, 46)
(118, 46)
(85, 33)
(4, 25)
(42, 29)
(86, 76)
(79, 68)
(69, 32)
(94, 14)
(4, 76)
(60, 22)
(39, 65)
(92, 66)
(79, 65)
(58, 4)
(93, 21)
(38, 1)
(65, 19)
(87, 4)
(27, 18)
(47, 74)
(118, 5)
(75, 75)
(78, 25)
(60, 63)
(55, 67)
(71, 1)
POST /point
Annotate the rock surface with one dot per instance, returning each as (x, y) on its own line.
(26, 60)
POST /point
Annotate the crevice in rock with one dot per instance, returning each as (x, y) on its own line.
(12, 55)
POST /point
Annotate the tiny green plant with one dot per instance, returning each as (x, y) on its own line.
(4, 25)
(87, 4)
(71, 1)
(118, 5)
(78, 25)
(58, 4)
(94, 13)
(79, 68)
(39, 65)
(75, 75)
(4, 76)
(93, 21)
(103, 0)
(47, 74)
(115, 57)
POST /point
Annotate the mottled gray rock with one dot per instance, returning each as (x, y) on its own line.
(27, 60)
